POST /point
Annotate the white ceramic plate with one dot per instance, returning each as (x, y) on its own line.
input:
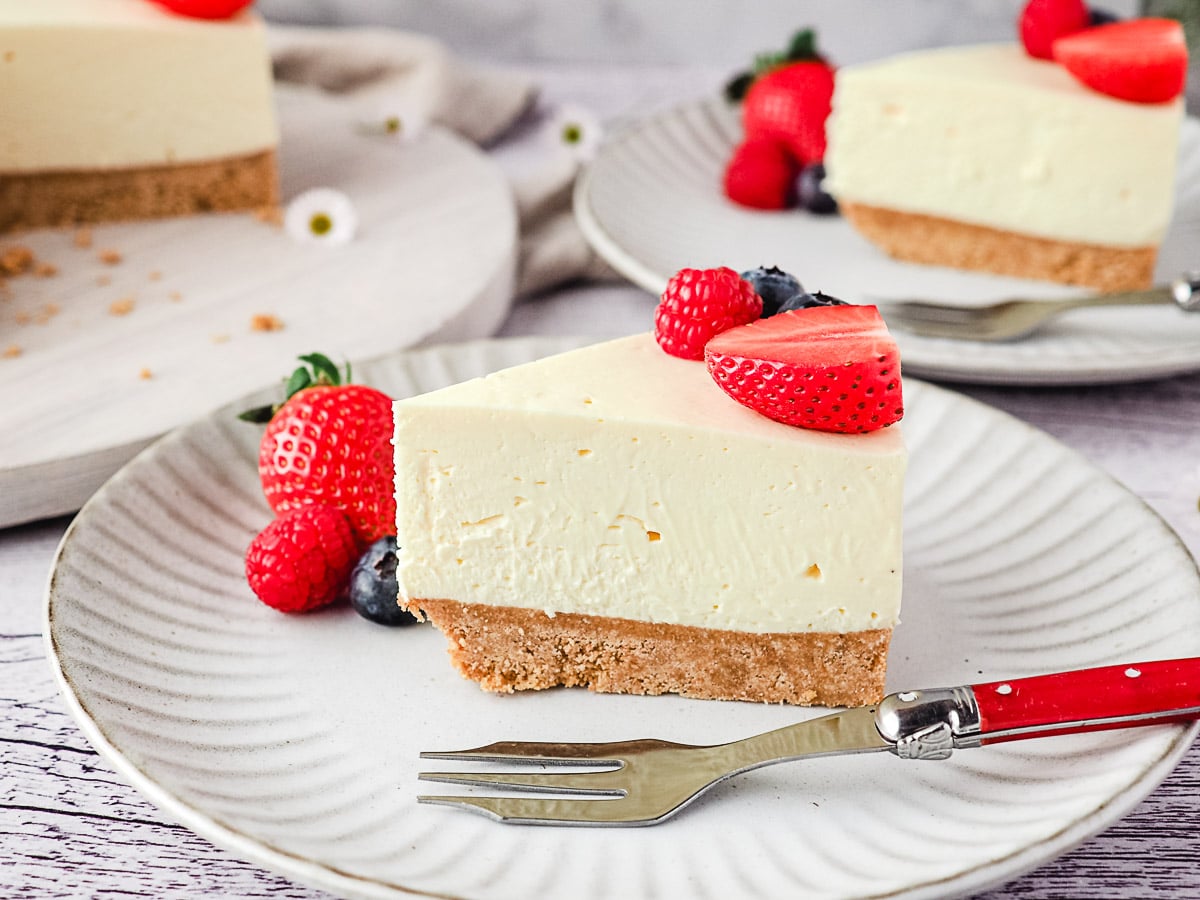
(651, 203)
(293, 741)
(434, 260)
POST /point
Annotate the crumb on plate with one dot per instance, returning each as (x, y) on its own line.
(266, 322)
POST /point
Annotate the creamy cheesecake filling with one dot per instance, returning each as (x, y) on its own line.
(115, 84)
(988, 136)
(618, 481)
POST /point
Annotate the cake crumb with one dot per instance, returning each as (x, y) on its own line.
(155, 275)
(23, 318)
(16, 260)
(110, 257)
(104, 280)
(46, 313)
(271, 215)
(145, 374)
(122, 307)
(45, 270)
(175, 296)
(266, 322)
(10, 55)
(83, 238)
(220, 339)
(12, 351)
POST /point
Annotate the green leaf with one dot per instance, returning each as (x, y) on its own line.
(324, 369)
(803, 46)
(348, 377)
(736, 87)
(765, 62)
(299, 381)
(259, 415)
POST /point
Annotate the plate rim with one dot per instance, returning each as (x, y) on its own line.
(996, 871)
(642, 275)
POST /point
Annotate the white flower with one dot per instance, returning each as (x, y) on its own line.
(321, 216)
(576, 130)
(399, 119)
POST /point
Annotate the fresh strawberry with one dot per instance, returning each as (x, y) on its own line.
(700, 303)
(303, 559)
(790, 104)
(1142, 60)
(1043, 22)
(760, 174)
(330, 444)
(828, 368)
(205, 9)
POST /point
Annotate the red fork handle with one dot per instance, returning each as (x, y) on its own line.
(1089, 700)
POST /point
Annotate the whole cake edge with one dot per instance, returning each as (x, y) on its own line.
(932, 240)
(54, 199)
(508, 649)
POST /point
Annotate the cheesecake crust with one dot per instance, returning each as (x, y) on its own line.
(509, 649)
(945, 242)
(54, 199)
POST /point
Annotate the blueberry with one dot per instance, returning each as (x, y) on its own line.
(373, 587)
(805, 300)
(810, 191)
(1101, 17)
(773, 285)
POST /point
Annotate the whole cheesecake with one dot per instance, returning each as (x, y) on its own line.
(118, 109)
(610, 518)
(983, 157)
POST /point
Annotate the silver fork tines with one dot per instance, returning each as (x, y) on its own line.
(1011, 319)
(639, 782)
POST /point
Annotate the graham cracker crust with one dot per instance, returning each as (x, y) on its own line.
(508, 649)
(944, 242)
(53, 199)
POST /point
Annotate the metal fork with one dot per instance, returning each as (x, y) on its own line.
(646, 781)
(1011, 319)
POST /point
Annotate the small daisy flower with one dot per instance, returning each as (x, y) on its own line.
(576, 130)
(399, 120)
(321, 216)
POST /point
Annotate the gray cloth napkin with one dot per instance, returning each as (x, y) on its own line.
(371, 66)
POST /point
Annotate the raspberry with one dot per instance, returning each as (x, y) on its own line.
(303, 559)
(699, 304)
(760, 174)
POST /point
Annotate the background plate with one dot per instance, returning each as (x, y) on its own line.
(651, 203)
(434, 260)
(293, 741)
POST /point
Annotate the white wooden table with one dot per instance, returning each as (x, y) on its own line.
(70, 827)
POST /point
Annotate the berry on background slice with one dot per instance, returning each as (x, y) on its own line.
(805, 300)
(700, 303)
(1043, 22)
(790, 104)
(205, 9)
(302, 560)
(1141, 60)
(829, 368)
(331, 444)
(810, 192)
(760, 174)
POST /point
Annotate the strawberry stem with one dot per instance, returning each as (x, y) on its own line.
(320, 371)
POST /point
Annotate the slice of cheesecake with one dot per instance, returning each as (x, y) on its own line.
(118, 109)
(985, 158)
(609, 517)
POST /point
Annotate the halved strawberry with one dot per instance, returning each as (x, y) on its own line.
(1141, 60)
(1043, 22)
(829, 368)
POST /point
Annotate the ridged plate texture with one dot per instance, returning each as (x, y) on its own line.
(293, 741)
(651, 203)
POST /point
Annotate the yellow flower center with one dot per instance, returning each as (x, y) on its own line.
(320, 223)
(393, 125)
(572, 133)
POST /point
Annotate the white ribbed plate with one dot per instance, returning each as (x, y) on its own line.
(433, 261)
(651, 203)
(293, 741)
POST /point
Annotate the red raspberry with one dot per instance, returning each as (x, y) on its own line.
(760, 174)
(1045, 21)
(700, 303)
(303, 559)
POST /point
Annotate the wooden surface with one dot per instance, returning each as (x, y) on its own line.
(70, 827)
